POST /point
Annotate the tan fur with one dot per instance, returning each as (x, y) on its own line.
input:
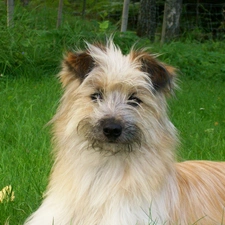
(115, 148)
(201, 187)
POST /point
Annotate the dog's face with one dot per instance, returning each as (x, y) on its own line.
(115, 102)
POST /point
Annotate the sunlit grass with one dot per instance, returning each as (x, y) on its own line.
(27, 105)
(29, 94)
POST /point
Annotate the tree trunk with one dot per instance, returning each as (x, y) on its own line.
(171, 20)
(24, 2)
(10, 9)
(84, 8)
(59, 18)
(147, 19)
(125, 15)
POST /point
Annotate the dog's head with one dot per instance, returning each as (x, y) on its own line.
(115, 102)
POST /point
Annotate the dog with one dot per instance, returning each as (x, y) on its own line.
(115, 148)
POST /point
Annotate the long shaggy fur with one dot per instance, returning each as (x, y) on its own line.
(115, 149)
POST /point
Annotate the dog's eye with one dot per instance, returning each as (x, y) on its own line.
(96, 96)
(134, 101)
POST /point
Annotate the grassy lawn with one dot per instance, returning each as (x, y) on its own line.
(25, 142)
(28, 104)
(197, 112)
(29, 94)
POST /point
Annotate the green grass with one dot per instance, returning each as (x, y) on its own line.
(197, 112)
(27, 105)
(29, 94)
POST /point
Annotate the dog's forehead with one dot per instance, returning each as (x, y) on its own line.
(112, 60)
(114, 68)
(117, 78)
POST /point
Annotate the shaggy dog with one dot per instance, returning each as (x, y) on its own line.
(115, 148)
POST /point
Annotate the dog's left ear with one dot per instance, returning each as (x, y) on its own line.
(161, 75)
(76, 66)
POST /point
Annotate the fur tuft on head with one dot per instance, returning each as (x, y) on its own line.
(77, 65)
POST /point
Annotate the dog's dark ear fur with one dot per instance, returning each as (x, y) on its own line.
(162, 75)
(76, 66)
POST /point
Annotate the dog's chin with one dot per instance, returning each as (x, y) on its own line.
(110, 147)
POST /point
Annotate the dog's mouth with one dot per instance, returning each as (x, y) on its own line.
(111, 135)
(111, 148)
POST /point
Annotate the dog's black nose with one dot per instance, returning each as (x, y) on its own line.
(112, 130)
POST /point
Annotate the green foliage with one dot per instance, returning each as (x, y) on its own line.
(101, 9)
(196, 112)
(196, 60)
(31, 52)
(33, 43)
(103, 26)
(28, 104)
(111, 11)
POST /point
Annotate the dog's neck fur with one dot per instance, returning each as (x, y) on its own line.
(97, 180)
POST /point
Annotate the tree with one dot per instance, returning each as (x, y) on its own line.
(10, 9)
(147, 19)
(59, 18)
(24, 2)
(84, 8)
(171, 20)
(125, 15)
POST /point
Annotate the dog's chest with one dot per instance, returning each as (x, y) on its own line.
(117, 199)
(117, 210)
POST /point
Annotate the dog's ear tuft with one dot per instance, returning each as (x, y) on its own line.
(76, 66)
(161, 75)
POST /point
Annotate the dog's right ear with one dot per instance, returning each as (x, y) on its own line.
(76, 66)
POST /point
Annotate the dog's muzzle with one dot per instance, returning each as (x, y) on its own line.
(111, 129)
(111, 133)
